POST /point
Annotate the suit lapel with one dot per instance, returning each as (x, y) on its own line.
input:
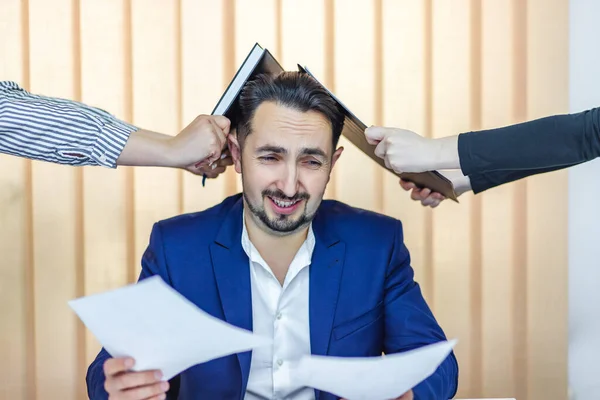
(232, 274)
(324, 287)
(325, 278)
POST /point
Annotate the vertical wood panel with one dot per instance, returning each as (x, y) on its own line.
(497, 207)
(451, 86)
(54, 212)
(179, 94)
(378, 87)
(13, 226)
(329, 72)
(130, 230)
(155, 100)
(404, 106)
(13, 307)
(475, 211)
(519, 239)
(79, 244)
(255, 21)
(354, 85)
(11, 18)
(103, 83)
(228, 32)
(308, 47)
(547, 267)
(202, 86)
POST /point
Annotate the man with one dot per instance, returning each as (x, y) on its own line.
(69, 132)
(316, 276)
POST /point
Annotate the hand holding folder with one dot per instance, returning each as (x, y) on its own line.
(260, 61)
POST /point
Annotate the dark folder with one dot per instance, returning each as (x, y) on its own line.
(260, 61)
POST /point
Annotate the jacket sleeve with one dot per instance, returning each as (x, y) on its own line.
(497, 156)
(487, 180)
(410, 324)
(153, 263)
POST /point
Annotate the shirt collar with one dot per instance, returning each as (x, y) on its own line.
(303, 256)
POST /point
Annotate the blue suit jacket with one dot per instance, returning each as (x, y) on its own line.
(362, 300)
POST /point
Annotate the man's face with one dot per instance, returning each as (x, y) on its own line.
(285, 164)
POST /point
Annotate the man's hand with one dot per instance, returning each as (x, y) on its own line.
(460, 182)
(405, 151)
(406, 396)
(123, 384)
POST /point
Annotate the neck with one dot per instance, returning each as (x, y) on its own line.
(272, 246)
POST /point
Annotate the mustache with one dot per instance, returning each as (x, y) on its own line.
(280, 195)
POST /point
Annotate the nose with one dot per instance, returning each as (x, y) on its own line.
(288, 183)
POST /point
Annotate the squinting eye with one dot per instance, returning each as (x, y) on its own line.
(314, 163)
(267, 158)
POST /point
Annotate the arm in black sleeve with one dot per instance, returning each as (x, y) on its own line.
(488, 180)
(532, 147)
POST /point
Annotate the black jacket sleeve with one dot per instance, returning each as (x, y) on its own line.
(497, 156)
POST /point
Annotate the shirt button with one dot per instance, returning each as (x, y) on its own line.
(279, 362)
(279, 316)
(103, 158)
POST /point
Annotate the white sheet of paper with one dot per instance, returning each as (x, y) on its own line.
(372, 378)
(158, 327)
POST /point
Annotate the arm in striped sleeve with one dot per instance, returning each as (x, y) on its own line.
(58, 130)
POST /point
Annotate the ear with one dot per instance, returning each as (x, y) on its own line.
(236, 152)
(336, 155)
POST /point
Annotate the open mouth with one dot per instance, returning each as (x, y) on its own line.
(284, 206)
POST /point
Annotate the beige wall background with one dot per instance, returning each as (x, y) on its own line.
(493, 268)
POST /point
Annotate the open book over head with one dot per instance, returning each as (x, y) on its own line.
(261, 61)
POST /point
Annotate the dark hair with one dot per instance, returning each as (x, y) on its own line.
(296, 90)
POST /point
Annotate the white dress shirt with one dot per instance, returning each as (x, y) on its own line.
(281, 313)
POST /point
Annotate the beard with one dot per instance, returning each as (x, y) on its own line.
(281, 224)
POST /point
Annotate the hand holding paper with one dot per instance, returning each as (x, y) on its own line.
(121, 382)
(159, 328)
(151, 324)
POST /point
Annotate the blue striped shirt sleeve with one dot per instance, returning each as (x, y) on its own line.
(59, 130)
